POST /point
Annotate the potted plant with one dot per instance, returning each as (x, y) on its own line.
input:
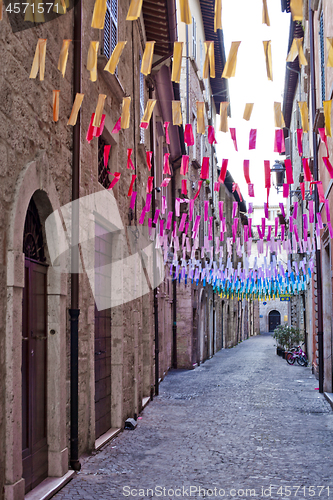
(286, 337)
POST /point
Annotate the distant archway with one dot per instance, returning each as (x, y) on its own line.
(274, 320)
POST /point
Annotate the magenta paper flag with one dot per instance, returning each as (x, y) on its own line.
(250, 188)
(246, 168)
(276, 226)
(106, 155)
(328, 165)
(166, 128)
(323, 137)
(182, 223)
(142, 216)
(289, 172)
(235, 187)
(282, 231)
(150, 184)
(311, 212)
(252, 139)
(115, 180)
(211, 135)
(196, 227)
(210, 229)
(199, 188)
(184, 187)
(166, 167)
(133, 198)
(250, 208)
(184, 165)
(279, 145)
(305, 222)
(117, 127)
(205, 168)
(295, 210)
(206, 210)
(266, 210)
(165, 182)
(130, 191)
(281, 205)
(221, 210)
(149, 155)
(321, 192)
(223, 170)
(307, 172)
(169, 221)
(302, 186)
(233, 137)
(188, 135)
(217, 186)
(129, 161)
(327, 208)
(156, 216)
(234, 209)
(148, 202)
(267, 174)
(300, 141)
(177, 207)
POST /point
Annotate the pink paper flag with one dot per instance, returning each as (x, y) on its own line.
(305, 222)
(234, 209)
(166, 167)
(184, 165)
(323, 137)
(327, 208)
(217, 186)
(129, 161)
(169, 220)
(281, 205)
(166, 128)
(106, 154)
(285, 190)
(150, 184)
(184, 187)
(149, 155)
(205, 168)
(199, 188)
(221, 210)
(115, 180)
(97, 132)
(311, 212)
(282, 231)
(117, 127)
(210, 229)
(276, 227)
(130, 191)
(251, 190)
(302, 187)
(211, 135)
(148, 202)
(266, 210)
(307, 171)
(246, 168)
(328, 165)
(177, 207)
(206, 210)
(188, 135)
(90, 131)
(295, 210)
(267, 174)
(279, 146)
(224, 169)
(142, 216)
(252, 139)
(299, 141)
(182, 222)
(289, 172)
(166, 182)
(161, 227)
(133, 198)
(233, 137)
(156, 216)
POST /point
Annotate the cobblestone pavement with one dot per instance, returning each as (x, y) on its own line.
(244, 420)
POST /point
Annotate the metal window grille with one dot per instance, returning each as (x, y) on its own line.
(194, 39)
(103, 176)
(142, 103)
(322, 56)
(201, 57)
(110, 27)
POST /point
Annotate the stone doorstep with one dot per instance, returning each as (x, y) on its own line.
(329, 397)
(49, 487)
(105, 438)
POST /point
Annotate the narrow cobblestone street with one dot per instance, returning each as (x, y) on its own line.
(243, 420)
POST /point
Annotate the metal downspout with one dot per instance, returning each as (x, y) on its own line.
(74, 311)
(320, 332)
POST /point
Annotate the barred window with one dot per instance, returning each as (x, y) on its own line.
(110, 27)
(322, 57)
(194, 39)
(103, 176)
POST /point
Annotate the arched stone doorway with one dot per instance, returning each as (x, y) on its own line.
(274, 320)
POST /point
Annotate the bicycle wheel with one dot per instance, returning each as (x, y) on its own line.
(302, 361)
(290, 358)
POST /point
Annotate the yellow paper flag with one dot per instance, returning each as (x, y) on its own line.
(115, 56)
(218, 15)
(99, 110)
(134, 10)
(92, 60)
(177, 61)
(230, 65)
(185, 13)
(200, 117)
(265, 16)
(60, 6)
(329, 43)
(75, 109)
(224, 116)
(177, 118)
(296, 8)
(209, 60)
(99, 14)
(125, 113)
(278, 116)
(56, 105)
(148, 110)
(303, 108)
(327, 114)
(63, 57)
(147, 58)
(296, 49)
(39, 60)
(248, 111)
(34, 13)
(268, 58)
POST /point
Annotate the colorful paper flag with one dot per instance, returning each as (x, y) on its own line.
(99, 14)
(92, 60)
(268, 59)
(112, 63)
(147, 58)
(134, 10)
(230, 66)
(248, 111)
(75, 109)
(38, 62)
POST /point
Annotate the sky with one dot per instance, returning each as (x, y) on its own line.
(242, 21)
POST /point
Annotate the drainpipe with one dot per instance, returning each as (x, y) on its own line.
(212, 162)
(320, 332)
(174, 291)
(74, 311)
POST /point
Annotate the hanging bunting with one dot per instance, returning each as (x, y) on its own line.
(148, 112)
(296, 8)
(223, 172)
(268, 59)
(279, 144)
(278, 116)
(184, 165)
(125, 114)
(289, 172)
(246, 168)
(327, 113)
(90, 131)
(117, 127)
(224, 116)
(267, 174)
(185, 13)
(38, 62)
(106, 154)
(211, 135)
(75, 109)
(166, 182)
(265, 16)
(177, 113)
(248, 111)
(328, 165)
(303, 108)
(184, 187)
(188, 135)
(99, 14)
(115, 180)
(230, 66)
(130, 164)
(199, 188)
(307, 172)
(63, 57)
(302, 187)
(166, 129)
(205, 168)
(56, 105)
(209, 63)
(99, 110)
(323, 138)
(134, 10)
(112, 63)
(149, 155)
(250, 190)
(300, 141)
(233, 137)
(297, 50)
(329, 45)
(235, 187)
(166, 166)
(92, 60)
(218, 15)
(150, 184)
(201, 118)
(177, 61)
(253, 138)
(130, 191)
(147, 58)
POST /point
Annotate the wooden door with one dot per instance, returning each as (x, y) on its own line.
(34, 375)
(274, 320)
(102, 332)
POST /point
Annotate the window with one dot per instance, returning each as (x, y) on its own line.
(322, 56)
(110, 27)
(103, 176)
(194, 39)
(201, 57)
(142, 103)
